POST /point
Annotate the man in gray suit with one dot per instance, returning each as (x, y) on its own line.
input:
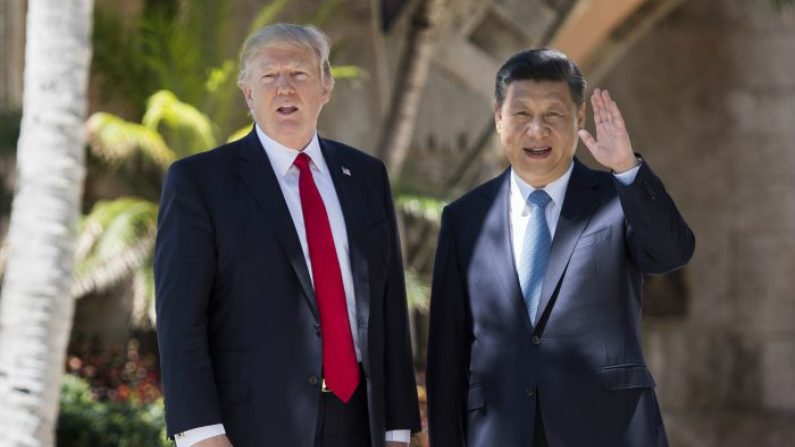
(536, 301)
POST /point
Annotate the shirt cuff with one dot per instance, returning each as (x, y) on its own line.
(196, 435)
(627, 177)
(403, 436)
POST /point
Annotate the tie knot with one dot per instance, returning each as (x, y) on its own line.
(302, 161)
(539, 198)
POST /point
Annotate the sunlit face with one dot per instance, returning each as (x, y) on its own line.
(285, 92)
(537, 124)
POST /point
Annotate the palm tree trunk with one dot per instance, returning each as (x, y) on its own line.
(36, 306)
(411, 78)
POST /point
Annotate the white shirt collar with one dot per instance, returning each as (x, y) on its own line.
(556, 189)
(283, 157)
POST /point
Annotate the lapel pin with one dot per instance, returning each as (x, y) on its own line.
(346, 171)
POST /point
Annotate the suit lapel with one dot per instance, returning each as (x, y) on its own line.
(582, 197)
(497, 234)
(257, 174)
(354, 211)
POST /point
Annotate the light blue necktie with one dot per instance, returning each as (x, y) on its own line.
(535, 251)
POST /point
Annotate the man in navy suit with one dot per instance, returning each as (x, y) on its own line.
(281, 304)
(536, 300)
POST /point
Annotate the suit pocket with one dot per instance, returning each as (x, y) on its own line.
(624, 377)
(475, 398)
(595, 237)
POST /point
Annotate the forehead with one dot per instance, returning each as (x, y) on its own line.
(288, 54)
(539, 91)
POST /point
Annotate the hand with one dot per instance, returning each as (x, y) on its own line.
(611, 147)
(396, 444)
(215, 441)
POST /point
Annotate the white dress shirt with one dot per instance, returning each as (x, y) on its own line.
(520, 210)
(282, 159)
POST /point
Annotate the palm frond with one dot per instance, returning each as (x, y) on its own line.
(115, 269)
(119, 61)
(143, 304)
(420, 207)
(324, 12)
(111, 228)
(239, 133)
(347, 72)
(171, 53)
(116, 244)
(115, 141)
(219, 76)
(267, 15)
(165, 108)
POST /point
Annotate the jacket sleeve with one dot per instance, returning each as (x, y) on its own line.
(448, 345)
(402, 408)
(658, 238)
(184, 267)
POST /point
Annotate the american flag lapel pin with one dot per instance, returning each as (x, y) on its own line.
(346, 171)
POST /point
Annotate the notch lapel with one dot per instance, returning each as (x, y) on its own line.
(582, 197)
(257, 174)
(354, 210)
(497, 236)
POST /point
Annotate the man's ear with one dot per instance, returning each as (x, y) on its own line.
(581, 116)
(247, 94)
(328, 87)
(497, 117)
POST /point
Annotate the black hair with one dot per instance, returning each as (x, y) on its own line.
(540, 65)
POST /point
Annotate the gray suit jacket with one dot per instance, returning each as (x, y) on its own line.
(490, 368)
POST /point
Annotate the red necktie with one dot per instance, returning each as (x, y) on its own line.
(340, 368)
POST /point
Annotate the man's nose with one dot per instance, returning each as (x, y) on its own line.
(283, 85)
(536, 127)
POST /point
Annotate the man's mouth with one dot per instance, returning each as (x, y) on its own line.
(538, 151)
(286, 110)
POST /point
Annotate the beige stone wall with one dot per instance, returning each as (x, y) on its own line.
(709, 96)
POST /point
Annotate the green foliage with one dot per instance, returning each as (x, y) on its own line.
(113, 227)
(192, 129)
(782, 5)
(171, 45)
(115, 243)
(115, 141)
(84, 421)
(418, 293)
(267, 15)
(324, 12)
(346, 72)
(9, 129)
(426, 208)
(240, 133)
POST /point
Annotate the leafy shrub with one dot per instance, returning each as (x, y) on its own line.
(85, 421)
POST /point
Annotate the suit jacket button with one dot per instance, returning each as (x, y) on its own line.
(535, 339)
(531, 391)
(316, 328)
(314, 380)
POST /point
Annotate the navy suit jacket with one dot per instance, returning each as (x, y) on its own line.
(238, 325)
(490, 368)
